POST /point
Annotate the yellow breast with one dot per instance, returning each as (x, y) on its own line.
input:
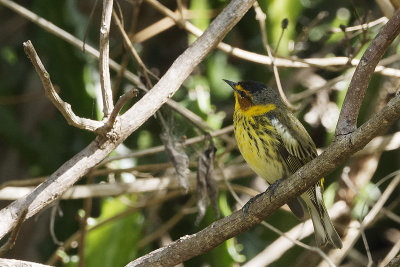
(257, 146)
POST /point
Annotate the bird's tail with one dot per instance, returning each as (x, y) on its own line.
(323, 228)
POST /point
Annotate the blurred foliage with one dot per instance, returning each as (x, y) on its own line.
(36, 140)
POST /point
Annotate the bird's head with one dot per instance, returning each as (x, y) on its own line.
(251, 93)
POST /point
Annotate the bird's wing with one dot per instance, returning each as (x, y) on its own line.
(296, 145)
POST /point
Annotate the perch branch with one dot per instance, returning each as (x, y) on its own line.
(347, 122)
(192, 245)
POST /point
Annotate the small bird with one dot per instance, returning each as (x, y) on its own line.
(275, 145)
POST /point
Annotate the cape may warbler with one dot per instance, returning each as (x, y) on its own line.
(275, 144)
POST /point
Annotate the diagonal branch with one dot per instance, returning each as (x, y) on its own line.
(347, 122)
(192, 245)
(71, 171)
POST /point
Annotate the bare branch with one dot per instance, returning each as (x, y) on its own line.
(347, 122)
(105, 81)
(265, 60)
(81, 163)
(137, 186)
(11, 262)
(11, 240)
(277, 248)
(122, 100)
(51, 93)
(262, 18)
(221, 230)
(234, 51)
(381, 20)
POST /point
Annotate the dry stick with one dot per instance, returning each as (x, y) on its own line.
(262, 17)
(265, 60)
(105, 80)
(12, 262)
(127, 41)
(234, 51)
(381, 20)
(87, 208)
(51, 93)
(72, 170)
(165, 227)
(122, 100)
(347, 122)
(138, 186)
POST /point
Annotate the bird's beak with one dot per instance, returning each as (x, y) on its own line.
(232, 84)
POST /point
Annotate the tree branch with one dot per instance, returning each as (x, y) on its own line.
(10, 262)
(81, 163)
(105, 81)
(266, 60)
(138, 186)
(63, 107)
(192, 245)
(347, 122)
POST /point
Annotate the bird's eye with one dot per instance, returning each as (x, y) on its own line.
(242, 94)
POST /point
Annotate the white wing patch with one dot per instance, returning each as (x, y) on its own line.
(284, 133)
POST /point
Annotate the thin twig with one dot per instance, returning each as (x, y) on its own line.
(87, 208)
(104, 70)
(381, 20)
(53, 215)
(166, 226)
(128, 42)
(90, 18)
(122, 100)
(265, 60)
(63, 107)
(234, 51)
(115, 189)
(262, 17)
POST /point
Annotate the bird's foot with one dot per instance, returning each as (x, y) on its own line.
(270, 188)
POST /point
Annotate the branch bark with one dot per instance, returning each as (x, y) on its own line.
(105, 81)
(192, 245)
(10, 262)
(63, 107)
(80, 164)
(347, 122)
